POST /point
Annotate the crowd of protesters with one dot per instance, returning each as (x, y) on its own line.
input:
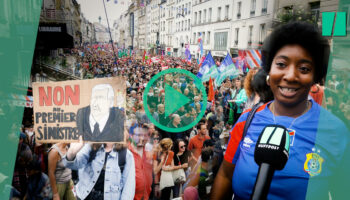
(167, 165)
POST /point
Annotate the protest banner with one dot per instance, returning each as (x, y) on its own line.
(93, 108)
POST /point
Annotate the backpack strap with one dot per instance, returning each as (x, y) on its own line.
(250, 118)
(122, 158)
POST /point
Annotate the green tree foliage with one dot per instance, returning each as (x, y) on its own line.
(296, 14)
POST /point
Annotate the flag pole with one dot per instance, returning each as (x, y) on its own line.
(110, 35)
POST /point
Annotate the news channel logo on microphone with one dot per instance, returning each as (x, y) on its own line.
(273, 146)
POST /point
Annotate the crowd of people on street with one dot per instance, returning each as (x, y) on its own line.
(167, 165)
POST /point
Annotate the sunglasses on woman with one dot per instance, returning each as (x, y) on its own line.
(183, 146)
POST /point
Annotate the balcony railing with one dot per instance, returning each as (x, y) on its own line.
(56, 66)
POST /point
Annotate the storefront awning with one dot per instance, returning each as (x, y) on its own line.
(52, 36)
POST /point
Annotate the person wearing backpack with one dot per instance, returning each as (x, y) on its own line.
(104, 170)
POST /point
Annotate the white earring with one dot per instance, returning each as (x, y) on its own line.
(267, 79)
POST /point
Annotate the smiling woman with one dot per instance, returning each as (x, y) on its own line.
(290, 79)
(295, 57)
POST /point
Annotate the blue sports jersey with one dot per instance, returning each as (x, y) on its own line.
(317, 146)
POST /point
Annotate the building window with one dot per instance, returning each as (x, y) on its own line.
(250, 35)
(262, 34)
(189, 8)
(189, 24)
(252, 7)
(182, 25)
(315, 11)
(204, 16)
(236, 36)
(195, 17)
(200, 17)
(227, 8)
(239, 7)
(264, 7)
(185, 25)
(208, 37)
(209, 16)
(219, 13)
(220, 41)
(194, 38)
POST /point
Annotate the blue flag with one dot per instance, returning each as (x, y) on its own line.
(226, 69)
(208, 69)
(188, 54)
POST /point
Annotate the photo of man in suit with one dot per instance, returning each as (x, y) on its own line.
(101, 122)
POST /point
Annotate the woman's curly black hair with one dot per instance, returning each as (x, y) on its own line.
(303, 34)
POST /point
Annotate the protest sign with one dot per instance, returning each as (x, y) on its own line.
(93, 108)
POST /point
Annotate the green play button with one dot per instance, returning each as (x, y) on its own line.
(175, 100)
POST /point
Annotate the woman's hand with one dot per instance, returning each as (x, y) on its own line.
(185, 165)
(167, 168)
(75, 148)
(56, 196)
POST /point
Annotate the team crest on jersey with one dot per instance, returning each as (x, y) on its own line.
(247, 142)
(313, 164)
(291, 133)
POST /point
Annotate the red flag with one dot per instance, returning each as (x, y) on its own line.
(202, 59)
(149, 61)
(144, 56)
(164, 67)
(211, 90)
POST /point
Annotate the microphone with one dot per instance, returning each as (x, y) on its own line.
(271, 153)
